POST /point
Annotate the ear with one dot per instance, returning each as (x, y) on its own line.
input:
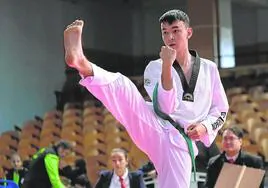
(189, 32)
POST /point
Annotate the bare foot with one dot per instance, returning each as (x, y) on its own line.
(74, 55)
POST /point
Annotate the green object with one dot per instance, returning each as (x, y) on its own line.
(176, 125)
(52, 167)
(38, 153)
(16, 177)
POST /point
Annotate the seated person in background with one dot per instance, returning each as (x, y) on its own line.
(44, 167)
(17, 172)
(204, 154)
(120, 177)
(77, 174)
(148, 170)
(232, 153)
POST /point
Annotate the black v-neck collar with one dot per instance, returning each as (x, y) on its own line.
(188, 89)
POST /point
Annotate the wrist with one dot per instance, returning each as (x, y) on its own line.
(167, 69)
(167, 63)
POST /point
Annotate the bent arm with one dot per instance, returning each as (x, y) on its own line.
(218, 110)
(167, 89)
(52, 168)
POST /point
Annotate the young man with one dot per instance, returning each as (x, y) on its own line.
(44, 167)
(231, 145)
(198, 109)
(120, 177)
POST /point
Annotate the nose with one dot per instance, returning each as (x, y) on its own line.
(170, 36)
(117, 163)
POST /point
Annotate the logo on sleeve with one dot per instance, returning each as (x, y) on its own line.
(147, 82)
(223, 114)
(219, 122)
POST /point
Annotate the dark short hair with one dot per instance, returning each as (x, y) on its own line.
(80, 163)
(173, 15)
(64, 144)
(236, 130)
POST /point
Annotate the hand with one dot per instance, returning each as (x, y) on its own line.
(196, 131)
(152, 174)
(168, 55)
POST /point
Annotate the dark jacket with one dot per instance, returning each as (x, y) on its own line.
(215, 165)
(204, 154)
(39, 173)
(21, 173)
(77, 174)
(145, 169)
(135, 179)
(148, 167)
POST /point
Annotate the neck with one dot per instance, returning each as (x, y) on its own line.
(231, 153)
(184, 59)
(120, 172)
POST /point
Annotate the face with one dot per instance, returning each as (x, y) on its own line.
(63, 152)
(231, 143)
(16, 162)
(119, 162)
(176, 35)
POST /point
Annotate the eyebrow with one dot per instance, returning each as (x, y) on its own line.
(173, 27)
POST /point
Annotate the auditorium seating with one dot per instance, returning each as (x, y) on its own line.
(95, 132)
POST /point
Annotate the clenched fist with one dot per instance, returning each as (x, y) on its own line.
(168, 55)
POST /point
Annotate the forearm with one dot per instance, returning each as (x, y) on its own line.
(167, 91)
(166, 77)
(52, 168)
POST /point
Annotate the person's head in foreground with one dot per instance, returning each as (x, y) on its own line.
(176, 30)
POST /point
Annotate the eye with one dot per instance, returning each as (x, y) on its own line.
(164, 32)
(176, 31)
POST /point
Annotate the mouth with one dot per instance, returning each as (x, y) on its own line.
(172, 45)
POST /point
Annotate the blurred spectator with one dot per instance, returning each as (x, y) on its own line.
(17, 172)
(204, 154)
(149, 171)
(120, 177)
(44, 168)
(77, 174)
(232, 153)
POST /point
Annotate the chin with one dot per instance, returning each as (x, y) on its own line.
(173, 47)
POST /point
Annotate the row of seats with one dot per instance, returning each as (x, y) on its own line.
(249, 110)
(93, 131)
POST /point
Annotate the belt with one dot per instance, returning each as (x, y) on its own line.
(176, 125)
